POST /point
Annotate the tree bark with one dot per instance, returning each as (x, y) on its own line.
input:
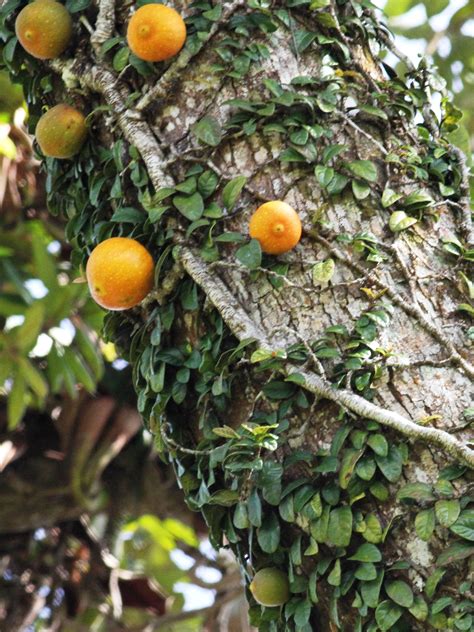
(367, 372)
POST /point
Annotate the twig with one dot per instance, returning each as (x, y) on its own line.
(104, 25)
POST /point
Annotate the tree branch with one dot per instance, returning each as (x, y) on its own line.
(243, 327)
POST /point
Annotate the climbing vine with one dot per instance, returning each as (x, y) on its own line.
(236, 407)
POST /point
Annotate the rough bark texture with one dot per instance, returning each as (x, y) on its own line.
(419, 365)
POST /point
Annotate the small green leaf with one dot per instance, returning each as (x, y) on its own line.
(389, 197)
(208, 130)
(370, 591)
(367, 553)
(425, 524)
(268, 534)
(363, 169)
(387, 614)
(250, 255)
(232, 191)
(378, 443)
(447, 512)
(419, 609)
(433, 581)
(361, 190)
(192, 206)
(373, 529)
(391, 465)
(340, 526)
(323, 271)
(400, 592)
(334, 577)
(464, 525)
(454, 553)
(399, 221)
(419, 492)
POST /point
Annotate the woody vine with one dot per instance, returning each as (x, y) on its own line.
(316, 403)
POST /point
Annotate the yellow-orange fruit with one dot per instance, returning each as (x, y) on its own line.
(44, 28)
(270, 587)
(120, 273)
(61, 132)
(156, 32)
(277, 227)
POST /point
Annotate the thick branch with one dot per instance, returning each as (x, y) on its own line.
(243, 327)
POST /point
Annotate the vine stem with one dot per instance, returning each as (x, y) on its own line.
(244, 328)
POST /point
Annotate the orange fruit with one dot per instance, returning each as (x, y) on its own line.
(270, 587)
(277, 227)
(156, 32)
(44, 28)
(61, 131)
(120, 273)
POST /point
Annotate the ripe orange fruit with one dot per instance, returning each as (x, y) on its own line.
(61, 131)
(120, 273)
(44, 28)
(270, 587)
(277, 227)
(156, 32)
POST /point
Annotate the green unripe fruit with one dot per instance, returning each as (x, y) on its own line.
(270, 587)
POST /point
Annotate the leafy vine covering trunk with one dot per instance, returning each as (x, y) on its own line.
(315, 405)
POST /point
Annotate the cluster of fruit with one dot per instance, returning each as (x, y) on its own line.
(120, 270)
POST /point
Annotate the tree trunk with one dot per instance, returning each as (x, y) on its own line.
(316, 404)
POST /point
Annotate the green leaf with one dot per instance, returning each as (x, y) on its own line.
(208, 130)
(447, 512)
(454, 553)
(400, 592)
(254, 507)
(27, 334)
(433, 581)
(370, 591)
(387, 614)
(232, 191)
(16, 401)
(361, 190)
(270, 481)
(323, 271)
(349, 461)
(464, 525)
(207, 183)
(425, 524)
(366, 553)
(250, 255)
(241, 519)
(391, 465)
(418, 199)
(419, 609)
(378, 443)
(373, 529)
(365, 169)
(366, 572)
(340, 526)
(191, 206)
(268, 534)
(334, 577)
(324, 175)
(121, 59)
(33, 377)
(419, 492)
(399, 221)
(389, 197)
